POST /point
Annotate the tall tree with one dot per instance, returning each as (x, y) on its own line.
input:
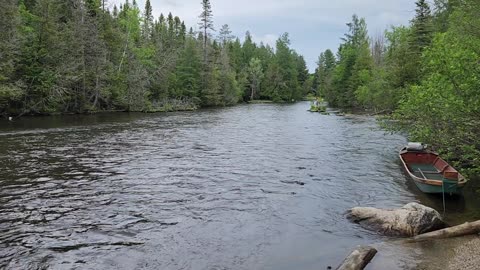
(422, 25)
(324, 75)
(248, 49)
(225, 34)
(209, 86)
(9, 43)
(255, 74)
(147, 21)
(188, 71)
(206, 25)
(354, 64)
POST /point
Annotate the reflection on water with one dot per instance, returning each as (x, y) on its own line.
(248, 187)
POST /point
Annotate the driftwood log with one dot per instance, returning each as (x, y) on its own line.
(358, 259)
(455, 231)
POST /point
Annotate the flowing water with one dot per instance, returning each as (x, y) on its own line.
(247, 187)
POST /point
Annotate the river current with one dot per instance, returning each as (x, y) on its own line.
(246, 187)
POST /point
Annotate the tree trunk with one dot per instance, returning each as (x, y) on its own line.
(358, 259)
(252, 96)
(456, 231)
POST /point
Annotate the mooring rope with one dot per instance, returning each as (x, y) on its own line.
(443, 193)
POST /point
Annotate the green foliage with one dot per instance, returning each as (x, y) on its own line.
(78, 56)
(444, 108)
(354, 66)
(323, 77)
(188, 71)
(255, 74)
(426, 74)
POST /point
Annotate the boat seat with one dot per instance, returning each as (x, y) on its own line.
(444, 168)
(431, 172)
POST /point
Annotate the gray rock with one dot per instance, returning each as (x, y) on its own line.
(411, 220)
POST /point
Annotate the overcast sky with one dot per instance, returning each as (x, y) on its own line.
(313, 25)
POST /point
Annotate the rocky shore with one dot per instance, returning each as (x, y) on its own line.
(466, 255)
(432, 248)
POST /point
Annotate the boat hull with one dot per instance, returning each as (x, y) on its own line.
(449, 187)
(430, 173)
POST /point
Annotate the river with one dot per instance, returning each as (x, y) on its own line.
(248, 187)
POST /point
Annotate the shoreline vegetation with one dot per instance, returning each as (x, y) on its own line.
(83, 57)
(423, 79)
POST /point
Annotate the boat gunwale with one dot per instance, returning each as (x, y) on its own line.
(460, 181)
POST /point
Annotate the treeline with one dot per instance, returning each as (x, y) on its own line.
(61, 56)
(426, 74)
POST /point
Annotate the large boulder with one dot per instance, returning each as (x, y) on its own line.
(411, 220)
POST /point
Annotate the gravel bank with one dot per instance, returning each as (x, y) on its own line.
(466, 256)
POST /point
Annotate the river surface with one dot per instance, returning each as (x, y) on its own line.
(246, 187)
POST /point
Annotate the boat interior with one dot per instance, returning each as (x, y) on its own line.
(429, 166)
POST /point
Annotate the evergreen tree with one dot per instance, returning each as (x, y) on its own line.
(420, 38)
(147, 21)
(303, 75)
(354, 64)
(188, 71)
(79, 56)
(288, 70)
(225, 34)
(209, 85)
(422, 26)
(248, 49)
(324, 75)
(206, 25)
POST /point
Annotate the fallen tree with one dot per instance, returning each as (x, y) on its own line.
(468, 228)
(358, 259)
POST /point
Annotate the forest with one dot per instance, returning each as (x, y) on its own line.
(425, 75)
(79, 56)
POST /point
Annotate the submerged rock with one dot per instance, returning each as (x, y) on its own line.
(410, 220)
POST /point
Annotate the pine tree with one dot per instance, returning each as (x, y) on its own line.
(147, 21)
(209, 82)
(421, 36)
(188, 71)
(235, 53)
(225, 34)
(354, 64)
(422, 26)
(303, 75)
(206, 25)
(288, 69)
(231, 92)
(248, 49)
(171, 30)
(324, 75)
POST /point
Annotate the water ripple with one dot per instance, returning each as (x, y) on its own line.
(249, 187)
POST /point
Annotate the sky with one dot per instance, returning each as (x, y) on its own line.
(313, 25)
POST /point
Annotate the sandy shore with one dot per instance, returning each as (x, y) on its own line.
(466, 255)
(462, 253)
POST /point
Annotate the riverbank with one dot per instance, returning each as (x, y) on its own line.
(157, 108)
(466, 255)
(451, 254)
